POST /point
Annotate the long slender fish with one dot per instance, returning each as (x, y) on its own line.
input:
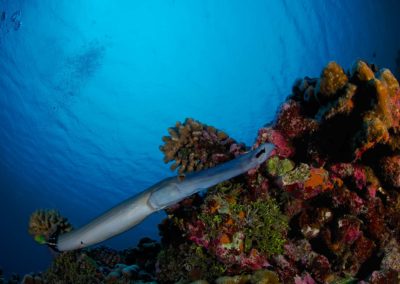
(163, 194)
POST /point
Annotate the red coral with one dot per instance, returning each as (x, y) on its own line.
(197, 233)
(390, 169)
(349, 228)
(306, 279)
(254, 260)
(292, 123)
(282, 145)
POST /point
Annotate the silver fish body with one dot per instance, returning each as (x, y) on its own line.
(163, 194)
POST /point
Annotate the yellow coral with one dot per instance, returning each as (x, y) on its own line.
(389, 80)
(382, 116)
(361, 71)
(47, 222)
(343, 105)
(332, 79)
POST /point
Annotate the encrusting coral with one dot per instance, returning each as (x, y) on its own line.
(44, 223)
(325, 207)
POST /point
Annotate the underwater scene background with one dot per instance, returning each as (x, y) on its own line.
(89, 88)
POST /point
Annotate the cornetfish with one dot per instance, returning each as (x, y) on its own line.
(163, 194)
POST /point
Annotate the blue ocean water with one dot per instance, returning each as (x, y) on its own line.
(88, 88)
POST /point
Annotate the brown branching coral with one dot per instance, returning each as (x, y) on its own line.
(194, 146)
(44, 223)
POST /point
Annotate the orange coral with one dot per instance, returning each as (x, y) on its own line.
(384, 115)
(224, 239)
(318, 179)
(332, 79)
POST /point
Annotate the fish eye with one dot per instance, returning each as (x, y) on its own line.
(260, 153)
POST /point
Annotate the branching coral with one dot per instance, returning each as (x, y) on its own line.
(44, 223)
(194, 146)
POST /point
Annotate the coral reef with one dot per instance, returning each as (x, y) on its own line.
(258, 277)
(325, 208)
(44, 223)
(334, 177)
(73, 267)
(33, 278)
(237, 228)
(187, 262)
(98, 265)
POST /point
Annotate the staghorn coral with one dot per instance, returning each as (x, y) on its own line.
(44, 223)
(194, 146)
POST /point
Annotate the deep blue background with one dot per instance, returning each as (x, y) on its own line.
(88, 88)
